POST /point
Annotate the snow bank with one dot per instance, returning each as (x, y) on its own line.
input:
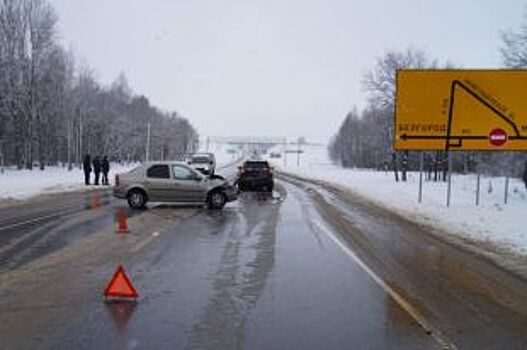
(22, 184)
(492, 222)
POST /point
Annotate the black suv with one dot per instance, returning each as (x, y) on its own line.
(255, 175)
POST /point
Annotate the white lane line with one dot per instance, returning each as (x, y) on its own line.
(445, 344)
(141, 244)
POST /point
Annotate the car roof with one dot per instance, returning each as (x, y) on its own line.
(252, 161)
(165, 162)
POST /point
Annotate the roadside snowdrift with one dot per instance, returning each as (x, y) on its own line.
(491, 223)
(23, 184)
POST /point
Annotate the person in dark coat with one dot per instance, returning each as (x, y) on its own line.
(525, 175)
(97, 169)
(86, 166)
(105, 166)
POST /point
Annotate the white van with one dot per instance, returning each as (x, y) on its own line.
(204, 162)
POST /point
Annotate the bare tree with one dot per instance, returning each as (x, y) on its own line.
(41, 20)
(514, 48)
(514, 55)
(380, 82)
(52, 112)
(365, 139)
(13, 77)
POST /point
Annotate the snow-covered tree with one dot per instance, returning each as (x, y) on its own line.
(51, 111)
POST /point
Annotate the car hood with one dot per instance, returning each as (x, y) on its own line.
(218, 181)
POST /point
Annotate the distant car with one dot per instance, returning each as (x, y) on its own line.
(204, 162)
(173, 182)
(275, 155)
(255, 175)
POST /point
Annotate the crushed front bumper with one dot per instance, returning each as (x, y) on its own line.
(231, 193)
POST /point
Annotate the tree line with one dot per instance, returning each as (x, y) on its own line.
(52, 111)
(364, 138)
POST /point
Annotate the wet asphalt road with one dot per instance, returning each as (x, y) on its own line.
(265, 273)
(259, 275)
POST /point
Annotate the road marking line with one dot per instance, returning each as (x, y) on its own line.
(145, 242)
(445, 344)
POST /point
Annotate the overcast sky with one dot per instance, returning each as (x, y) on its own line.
(272, 67)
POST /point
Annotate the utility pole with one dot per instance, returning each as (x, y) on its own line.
(80, 138)
(1, 157)
(341, 141)
(298, 154)
(69, 143)
(148, 142)
(285, 152)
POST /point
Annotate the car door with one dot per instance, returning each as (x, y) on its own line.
(189, 185)
(158, 182)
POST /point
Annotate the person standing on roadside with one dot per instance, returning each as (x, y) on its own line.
(97, 169)
(525, 175)
(86, 166)
(105, 165)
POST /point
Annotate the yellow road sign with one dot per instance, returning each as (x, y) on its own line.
(461, 110)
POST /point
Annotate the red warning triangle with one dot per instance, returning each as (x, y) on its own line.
(120, 285)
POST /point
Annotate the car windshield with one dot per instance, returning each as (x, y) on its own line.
(200, 160)
(257, 165)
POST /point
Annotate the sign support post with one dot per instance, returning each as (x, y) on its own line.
(478, 186)
(506, 190)
(449, 188)
(420, 196)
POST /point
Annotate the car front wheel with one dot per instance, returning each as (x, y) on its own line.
(217, 200)
(137, 199)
